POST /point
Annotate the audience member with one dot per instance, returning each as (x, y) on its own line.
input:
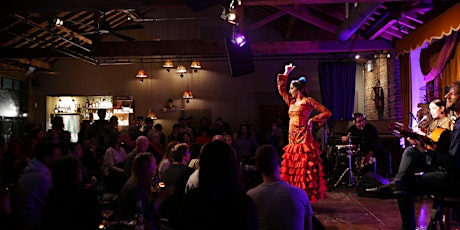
(69, 205)
(175, 177)
(159, 128)
(34, 186)
(167, 159)
(203, 136)
(138, 188)
(246, 145)
(279, 205)
(142, 144)
(219, 202)
(113, 165)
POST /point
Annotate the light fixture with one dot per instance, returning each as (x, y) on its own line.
(187, 95)
(238, 38)
(181, 70)
(357, 56)
(229, 14)
(58, 22)
(168, 65)
(141, 73)
(152, 114)
(195, 65)
(369, 66)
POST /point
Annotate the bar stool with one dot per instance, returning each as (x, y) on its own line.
(443, 205)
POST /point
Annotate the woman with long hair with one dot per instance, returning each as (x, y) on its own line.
(301, 165)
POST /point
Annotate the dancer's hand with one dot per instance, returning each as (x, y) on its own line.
(288, 69)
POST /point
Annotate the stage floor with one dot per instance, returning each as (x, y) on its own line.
(344, 209)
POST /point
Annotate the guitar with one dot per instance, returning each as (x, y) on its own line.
(397, 128)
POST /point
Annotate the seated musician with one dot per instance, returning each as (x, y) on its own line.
(440, 120)
(367, 139)
(424, 171)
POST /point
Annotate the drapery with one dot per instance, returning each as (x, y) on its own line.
(443, 57)
(451, 71)
(337, 82)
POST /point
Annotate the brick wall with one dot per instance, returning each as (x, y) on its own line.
(384, 75)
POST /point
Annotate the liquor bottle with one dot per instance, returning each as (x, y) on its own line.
(139, 216)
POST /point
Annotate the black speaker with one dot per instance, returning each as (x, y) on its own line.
(370, 180)
(198, 5)
(239, 58)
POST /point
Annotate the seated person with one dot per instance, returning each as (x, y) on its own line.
(366, 138)
(426, 171)
(279, 205)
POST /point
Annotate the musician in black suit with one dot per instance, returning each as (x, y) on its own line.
(425, 171)
(366, 138)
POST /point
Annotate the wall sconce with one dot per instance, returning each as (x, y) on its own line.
(141, 73)
(168, 65)
(195, 65)
(181, 70)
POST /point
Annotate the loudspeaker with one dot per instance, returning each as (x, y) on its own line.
(370, 180)
(198, 5)
(239, 58)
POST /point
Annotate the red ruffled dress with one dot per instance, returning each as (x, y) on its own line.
(301, 165)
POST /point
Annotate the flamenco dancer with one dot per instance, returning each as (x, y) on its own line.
(301, 165)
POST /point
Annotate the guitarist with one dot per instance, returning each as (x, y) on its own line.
(366, 137)
(418, 176)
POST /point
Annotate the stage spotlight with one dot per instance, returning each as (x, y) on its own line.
(238, 39)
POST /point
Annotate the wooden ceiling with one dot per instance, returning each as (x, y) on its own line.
(29, 37)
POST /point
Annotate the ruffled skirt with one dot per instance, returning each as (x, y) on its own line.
(301, 167)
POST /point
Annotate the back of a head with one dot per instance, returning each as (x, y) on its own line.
(141, 165)
(65, 172)
(218, 169)
(44, 150)
(267, 159)
(178, 151)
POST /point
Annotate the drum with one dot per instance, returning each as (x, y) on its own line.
(342, 150)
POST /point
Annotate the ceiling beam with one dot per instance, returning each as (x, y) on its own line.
(305, 16)
(205, 48)
(8, 7)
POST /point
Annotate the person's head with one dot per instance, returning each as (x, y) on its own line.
(47, 153)
(57, 123)
(180, 153)
(359, 120)
(204, 121)
(148, 122)
(453, 97)
(158, 127)
(67, 172)
(219, 172)
(243, 130)
(144, 168)
(185, 137)
(113, 120)
(182, 122)
(437, 108)
(168, 149)
(298, 87)
(101, 113)
(204, 130)
(155, 137)
(228, 139)
(115, 139)
(267, 160)
(142, 144)
(77, 150)
(217, 138)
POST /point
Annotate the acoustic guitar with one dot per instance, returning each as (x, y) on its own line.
(397, 128)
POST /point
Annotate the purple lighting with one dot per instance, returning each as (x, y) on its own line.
(239, 40)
